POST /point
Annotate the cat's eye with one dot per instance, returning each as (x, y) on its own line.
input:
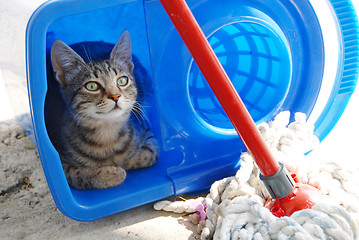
(122, 81)
(92, 86)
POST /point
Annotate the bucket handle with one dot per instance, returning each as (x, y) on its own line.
(348, 67)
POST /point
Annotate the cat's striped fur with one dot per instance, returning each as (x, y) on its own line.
(99, 140)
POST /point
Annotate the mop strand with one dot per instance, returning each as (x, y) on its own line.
(234, 207)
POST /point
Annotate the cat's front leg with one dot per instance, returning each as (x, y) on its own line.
(94, 178)
(146, 155)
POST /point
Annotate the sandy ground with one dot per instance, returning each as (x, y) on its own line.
(27, 210)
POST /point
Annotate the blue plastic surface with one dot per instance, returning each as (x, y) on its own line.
(272, 50)
(348, 67)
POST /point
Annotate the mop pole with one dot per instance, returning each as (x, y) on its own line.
(220, 84)
(287, 196)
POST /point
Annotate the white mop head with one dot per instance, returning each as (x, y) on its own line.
(233, 209)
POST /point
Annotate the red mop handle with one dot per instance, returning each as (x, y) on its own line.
(221, 85)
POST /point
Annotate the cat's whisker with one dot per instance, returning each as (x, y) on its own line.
(138, 116)
(141, 105)
(78, 118)
(87, 54)
(138, 109)
(137, 113)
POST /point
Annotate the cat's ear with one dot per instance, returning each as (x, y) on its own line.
(121, 53)
(66, 63)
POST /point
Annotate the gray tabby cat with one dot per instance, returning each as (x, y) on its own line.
(99, 141)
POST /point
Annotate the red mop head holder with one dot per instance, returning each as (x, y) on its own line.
(303, 196)
(287, 195)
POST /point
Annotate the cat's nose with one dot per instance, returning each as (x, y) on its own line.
(114, 97)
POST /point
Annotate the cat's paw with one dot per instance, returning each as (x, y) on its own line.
(150, 152)
(147, 156)
(110, 176)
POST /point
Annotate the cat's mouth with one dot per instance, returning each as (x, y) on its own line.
(116, 110)
(112, 110)
(116, 107)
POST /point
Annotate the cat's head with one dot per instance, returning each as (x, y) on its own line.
(100, 90)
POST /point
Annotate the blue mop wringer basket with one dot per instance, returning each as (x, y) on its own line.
(273, 52)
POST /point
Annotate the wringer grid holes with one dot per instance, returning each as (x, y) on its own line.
(257, 60)
(272, 51)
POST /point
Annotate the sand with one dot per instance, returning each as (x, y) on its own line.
(27, 210)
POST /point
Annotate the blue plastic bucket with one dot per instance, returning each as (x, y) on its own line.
(273, 51)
